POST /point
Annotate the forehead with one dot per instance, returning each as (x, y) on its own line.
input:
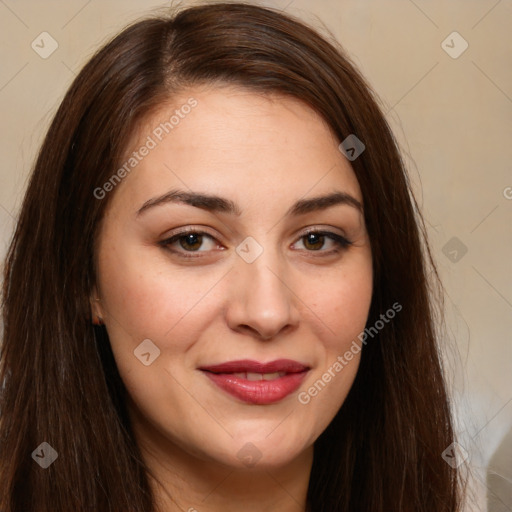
(235, 142)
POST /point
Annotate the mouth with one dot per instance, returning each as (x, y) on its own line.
(257, 383)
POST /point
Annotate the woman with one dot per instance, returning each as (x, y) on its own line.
(216, 297)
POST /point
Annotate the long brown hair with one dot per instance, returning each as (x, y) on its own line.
(382, 452)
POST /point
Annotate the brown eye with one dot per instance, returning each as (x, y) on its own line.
(315, 241)
(191, 241)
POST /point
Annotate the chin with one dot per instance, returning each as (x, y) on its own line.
(251, 452)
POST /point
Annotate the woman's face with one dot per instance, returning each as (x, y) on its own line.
(230, 339)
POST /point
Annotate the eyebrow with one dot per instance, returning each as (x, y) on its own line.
(213, 203)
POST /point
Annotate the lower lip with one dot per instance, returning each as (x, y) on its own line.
(259, 392)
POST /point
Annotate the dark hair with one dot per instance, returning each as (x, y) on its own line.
(383, 449)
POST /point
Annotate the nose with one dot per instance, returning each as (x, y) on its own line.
(261, 302)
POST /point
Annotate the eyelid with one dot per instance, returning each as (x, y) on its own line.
(320, 230)
(200, 230)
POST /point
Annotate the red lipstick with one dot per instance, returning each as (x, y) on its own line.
(257, 383)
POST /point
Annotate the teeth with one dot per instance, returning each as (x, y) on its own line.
(271, 376)
(258, 376)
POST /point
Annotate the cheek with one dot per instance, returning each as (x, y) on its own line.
(143, 301)
(144, 304)
(343, 304)
(341, 314)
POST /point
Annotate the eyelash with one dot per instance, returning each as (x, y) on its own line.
(341, 242)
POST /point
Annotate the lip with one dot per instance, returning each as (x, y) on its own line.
(247, 365)
(259, 392)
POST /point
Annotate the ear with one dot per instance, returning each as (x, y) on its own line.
(96, 309)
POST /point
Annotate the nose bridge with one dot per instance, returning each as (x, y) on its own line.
(262, 298)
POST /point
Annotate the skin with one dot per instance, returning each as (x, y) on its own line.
(295, 301)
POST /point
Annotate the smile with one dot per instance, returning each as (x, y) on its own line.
(257, 383)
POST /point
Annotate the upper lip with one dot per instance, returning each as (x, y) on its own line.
(246, 365)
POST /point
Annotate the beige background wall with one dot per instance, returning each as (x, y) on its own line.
(451, 113)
